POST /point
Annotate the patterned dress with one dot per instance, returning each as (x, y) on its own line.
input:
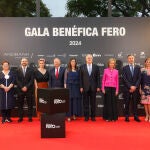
(145, 86)
(7, 99)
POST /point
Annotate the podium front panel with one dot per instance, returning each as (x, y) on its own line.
(52, 101)
(53, 126)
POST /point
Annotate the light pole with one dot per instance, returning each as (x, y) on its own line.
(109, 8)
(37, 8)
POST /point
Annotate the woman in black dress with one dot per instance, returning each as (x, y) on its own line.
(41, 77)
(71, 82)
(6, 92)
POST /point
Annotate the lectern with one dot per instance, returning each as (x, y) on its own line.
(53, 103)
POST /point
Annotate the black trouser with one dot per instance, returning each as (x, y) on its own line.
(128, 97)
(29, 99)
(110, 104)
(6, 113)
(89, 97)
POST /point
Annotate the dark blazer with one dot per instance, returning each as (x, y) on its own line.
(53, 81)
(130, 80)
(92, 81)
(27, 81)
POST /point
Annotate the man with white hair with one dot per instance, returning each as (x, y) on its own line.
(56, 75)
(89, 85)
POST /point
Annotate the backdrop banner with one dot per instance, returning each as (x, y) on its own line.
(64, 38)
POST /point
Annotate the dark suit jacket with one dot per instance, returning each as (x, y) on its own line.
(130, 80)
(27, 81)
(53, 81)
(92, 81)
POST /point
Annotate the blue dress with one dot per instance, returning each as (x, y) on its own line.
(145, 86)
(7, 99)
(72, 81)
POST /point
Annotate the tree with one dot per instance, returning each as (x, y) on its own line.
(22, 8)
(88, 8)
(99, 8)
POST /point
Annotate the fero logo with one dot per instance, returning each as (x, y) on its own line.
(52, 126)
(42, 101)
(59, 101)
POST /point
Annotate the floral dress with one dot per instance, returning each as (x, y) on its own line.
(145, 86)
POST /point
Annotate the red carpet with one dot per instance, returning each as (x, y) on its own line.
(99, 135)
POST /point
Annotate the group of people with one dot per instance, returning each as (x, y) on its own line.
(83, 84)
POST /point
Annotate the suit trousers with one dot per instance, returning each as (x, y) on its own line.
(29, 98)
(134, 97)
(89, 99)
(6, 113)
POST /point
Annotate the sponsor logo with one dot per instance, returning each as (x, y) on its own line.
(49, 65)
(84, 55)
(97, 55)
(142, 55)
(17, 54)
(109, 55)
(120, 96)
(42, 101)
(100, 106)
(59, 101)
(73, 55)
(100, 64)
(140, 106)
(98, 96)
(120, 55)
(51, 56)
(52, 126)
(125, 63)
(62, 55)
(40, 55)
(64, 65)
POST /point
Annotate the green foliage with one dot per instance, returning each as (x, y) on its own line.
(21, 8)
(99, 8)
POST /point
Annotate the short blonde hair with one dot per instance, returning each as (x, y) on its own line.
(147, 59)
(110, 60)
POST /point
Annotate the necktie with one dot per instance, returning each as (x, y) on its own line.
(56, 73)
(24, 71)
(90, 69)
(132, 70)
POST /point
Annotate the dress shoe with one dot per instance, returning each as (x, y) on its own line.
(127, 119)
(86, 119)
(108, 120)
(93, 119)
(30, 119)
(8, 120)
(20, 119)
(137, 119)
(3, 120)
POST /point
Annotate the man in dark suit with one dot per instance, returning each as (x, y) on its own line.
(131, 74)
(56, 75)
(25, 88)
(89, 85)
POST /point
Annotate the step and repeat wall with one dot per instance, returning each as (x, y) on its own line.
(64, 38)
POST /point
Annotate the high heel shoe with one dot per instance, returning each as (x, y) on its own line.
(74, 117)
(69, 119)
(147, 118)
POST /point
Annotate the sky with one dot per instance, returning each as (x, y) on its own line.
(57, 7)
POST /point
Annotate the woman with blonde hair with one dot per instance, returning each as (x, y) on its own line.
(145, 88)
(110, 88)
(41, 77)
